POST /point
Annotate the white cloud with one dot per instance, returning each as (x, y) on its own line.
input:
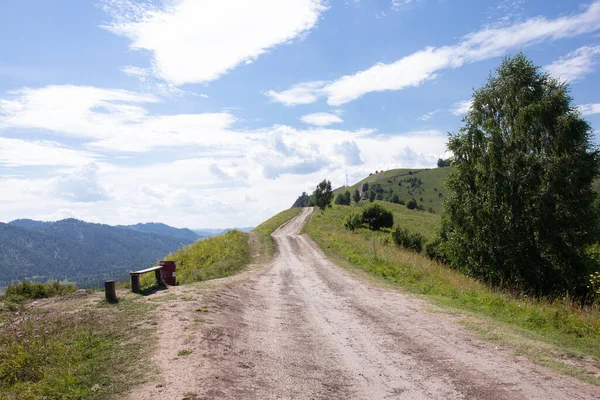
(462, 107)
(112, 119)
(589, 109)
(426, 64)
(321, 119)
(349, 152)
(18, 152)
(413, 159)
(575, 65)
(198, 41)
(427, 116)
(302, 93)
(81, 185)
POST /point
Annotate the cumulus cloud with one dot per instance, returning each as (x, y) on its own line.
(424, 65)
(575, 65)
(408, 157)
(589, 109)
(198, 41)
(349, 152)
(462, 107)
(81, 185)
(18, 152)
(321, 119)
(113, 119)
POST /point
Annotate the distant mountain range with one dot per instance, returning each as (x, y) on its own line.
(166, 230)
(83, 252)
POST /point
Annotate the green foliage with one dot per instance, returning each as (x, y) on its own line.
(353, 221)
(395, 199)
(271, 225)
(212, 258)
(521, 208)
(19, 292)
(356, 196)
(409, 240)
(562, 322)
(376, 217)
(444, 163)
(434, 250)
(343, 199)
(302, 201)
(372, 196)
(412, 204)
(323, 195)
(365, 187)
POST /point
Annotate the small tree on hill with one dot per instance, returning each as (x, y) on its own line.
(356, 196)
(372, 196)
(521, 208)
(412, 204)
(323, 195)
(347, 198)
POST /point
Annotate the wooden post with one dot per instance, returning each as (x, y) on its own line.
(135, 283)
(109, 290)
(158, 275)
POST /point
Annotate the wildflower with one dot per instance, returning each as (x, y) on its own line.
(19, 334)
(46, 332)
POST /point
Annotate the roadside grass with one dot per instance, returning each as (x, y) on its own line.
(216, 257)
(72, 348)
(271, 225)
(573, 331)
(265, 229)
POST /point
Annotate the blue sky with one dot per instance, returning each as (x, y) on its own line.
(218, 114)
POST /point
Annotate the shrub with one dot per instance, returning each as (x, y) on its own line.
(435, 251)
(377, 217)
(353, 222)
(412, 204)
(403, 238)
(35, 290)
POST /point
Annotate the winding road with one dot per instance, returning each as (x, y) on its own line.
(303, 328)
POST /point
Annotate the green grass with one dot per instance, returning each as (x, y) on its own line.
(561, 323)
(429, 190)
(57, 353)
(19, 292)
(271, 225)
(216, 257)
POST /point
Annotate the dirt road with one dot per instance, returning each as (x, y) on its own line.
(302, 328)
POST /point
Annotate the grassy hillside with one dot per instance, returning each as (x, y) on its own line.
(224, 255)
(511, 319)
(212, 258)
(426, 186)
